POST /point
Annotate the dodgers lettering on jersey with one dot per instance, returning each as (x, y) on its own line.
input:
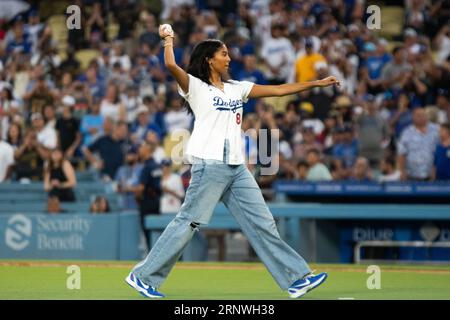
(218, 117)
(231, 105)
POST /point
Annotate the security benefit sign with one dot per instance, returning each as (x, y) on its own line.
(43, 236)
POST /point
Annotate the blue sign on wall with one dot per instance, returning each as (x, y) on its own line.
(70, 236)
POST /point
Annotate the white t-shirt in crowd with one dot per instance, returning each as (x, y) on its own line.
(170, 203)
(6, 158)
(110, 110)
(218, 117)
(175, 120)
(47, 137)
(274, 51)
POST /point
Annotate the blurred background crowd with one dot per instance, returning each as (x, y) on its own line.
(99, 98)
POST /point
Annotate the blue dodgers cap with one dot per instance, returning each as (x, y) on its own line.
(309, 42)
(369, 46)
(166, 162)
(369, 97)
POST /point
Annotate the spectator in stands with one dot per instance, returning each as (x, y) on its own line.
(441, 170)
(278, 55)
(39, 94)
(443, 104)
(30, 156)
(92, 125)
(6, 160)
(361, 171)
(345, 151)
(371, 70)
(96, 25)
(309, 142)
(54, 205)
(302, 170)
(305, 66)
(49, 114)
(100, 205)
(127, 178)
(317, 171)
(150, 34)
(416, 148)
(142, 126)
(14, 135)
(393, 73)
(152, 139)
(19, 42)
(389, 170)
(59, 177)
(401, 116)
(373, 132)
(176, 116)
(252, 74)
(172, 189)
(68, 127)
(111, 151)
(148, 191)
(111, 106)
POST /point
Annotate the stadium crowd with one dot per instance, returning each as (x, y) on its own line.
(388, 121)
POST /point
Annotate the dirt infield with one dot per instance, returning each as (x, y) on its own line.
(226, 266)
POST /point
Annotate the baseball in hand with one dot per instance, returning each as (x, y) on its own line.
(165, 30)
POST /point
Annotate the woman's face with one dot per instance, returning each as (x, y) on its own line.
(67, 79)
(220, 61)
(13, 131)
(111, 93)
(56, 156)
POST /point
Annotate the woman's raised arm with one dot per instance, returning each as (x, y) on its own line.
(181, 77)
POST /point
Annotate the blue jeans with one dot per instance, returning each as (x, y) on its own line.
(213, 181)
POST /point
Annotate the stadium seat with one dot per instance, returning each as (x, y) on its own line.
(392, 20)
(85, 56)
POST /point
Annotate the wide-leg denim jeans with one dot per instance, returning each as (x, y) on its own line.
(213, 181)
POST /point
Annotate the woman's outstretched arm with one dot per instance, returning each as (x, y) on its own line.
(181, 77)
(259, 91)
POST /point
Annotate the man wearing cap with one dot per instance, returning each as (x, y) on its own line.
(127, 177)
(305, 69)
(396, 69)
(35, 149)
(111, 149)
(373, 132)
(142, 125)
(68, 127)
(374, 62)
(148, 190)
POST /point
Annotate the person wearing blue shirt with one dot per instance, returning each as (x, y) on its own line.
(142, 125)
(128, 177)
(441, 170)
(346, 151)
(92, 125)
(111, 149)
(148, 190)
(250, 73)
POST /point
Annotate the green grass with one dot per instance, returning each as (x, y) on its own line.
(47, 280)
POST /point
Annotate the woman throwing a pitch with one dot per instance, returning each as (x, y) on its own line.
(219, 172)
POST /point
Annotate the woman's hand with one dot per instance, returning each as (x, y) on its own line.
(165, 30)
(328, 81)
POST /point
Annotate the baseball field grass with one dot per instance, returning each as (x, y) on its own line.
(104, 280)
